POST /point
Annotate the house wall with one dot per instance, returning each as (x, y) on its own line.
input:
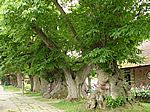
(140, 75)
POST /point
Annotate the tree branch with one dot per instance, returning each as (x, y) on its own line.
(43, 36)
(71, 27)
(85, 71)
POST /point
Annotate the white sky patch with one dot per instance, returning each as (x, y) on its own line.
(74, 54)
(68, 5)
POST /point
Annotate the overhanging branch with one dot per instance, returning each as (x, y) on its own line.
(43, 36)
(67, 20)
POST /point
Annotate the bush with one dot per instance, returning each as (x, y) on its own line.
(113, 103)
(141, 94)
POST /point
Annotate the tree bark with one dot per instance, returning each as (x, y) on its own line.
(56, 89)
(37, 84)
(67, 20)
(116, 87)
(96, 99)
(75, 82)
(119, 86)
(44, 85)
(13, 80)
(73, 93)
(43, 36)
(108, 85)
(19, 80)
(117, 82)
(31, 82)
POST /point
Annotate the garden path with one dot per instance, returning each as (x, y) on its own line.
(12, 102)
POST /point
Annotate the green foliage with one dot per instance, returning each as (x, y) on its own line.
(22, 49)
(93, 73)
(106, 31)
(141, 94)
(113, 103)
(111, 31)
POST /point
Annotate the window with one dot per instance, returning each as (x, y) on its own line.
(148, 75)
(127, 76)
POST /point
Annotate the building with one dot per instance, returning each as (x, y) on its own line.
(139, 74)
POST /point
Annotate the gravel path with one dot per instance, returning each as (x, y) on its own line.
(11, 102)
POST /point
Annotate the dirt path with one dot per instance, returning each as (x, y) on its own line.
(11, 102)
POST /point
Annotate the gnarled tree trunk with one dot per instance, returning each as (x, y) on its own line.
(31, 82)
(56, 88)
(73, 90)
(44, 85)
(75, 81)
(108, 85)
(37, 84)
(96, 99)
(119, 88)
(118, 85)
(19, 80)
(13, 80)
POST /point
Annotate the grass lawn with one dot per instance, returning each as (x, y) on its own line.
(12, 88)
(78, 106)
(75, 106)
(36, 96)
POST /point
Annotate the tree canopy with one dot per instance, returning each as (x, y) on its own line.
(40, 35)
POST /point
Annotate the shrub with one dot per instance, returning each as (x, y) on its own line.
(113, 103)
(141, 94)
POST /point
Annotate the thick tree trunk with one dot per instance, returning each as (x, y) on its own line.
(84, 90)
(13, 80)
(56, 89)
(96, 99)
(119, 88)
(75, 82)
(117, 82)
(37, 84)
(59, 91)
(73, 90)
(108, 85)
(19, 80)
(31, 82)
(44, 85)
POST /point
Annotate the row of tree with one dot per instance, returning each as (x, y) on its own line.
(61, 42)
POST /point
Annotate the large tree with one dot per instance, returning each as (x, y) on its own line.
(110, 31)
(104, 34)
(34, 21)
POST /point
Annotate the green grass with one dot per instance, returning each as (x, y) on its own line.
(15, 89)
(78, 106)
(146, 106)
(12, 88)
(33, 94)
(36, 96)
(73, 106)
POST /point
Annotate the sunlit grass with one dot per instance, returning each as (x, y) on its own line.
(74, 106)
(36, 96)
(79, 106)
(11, 88)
